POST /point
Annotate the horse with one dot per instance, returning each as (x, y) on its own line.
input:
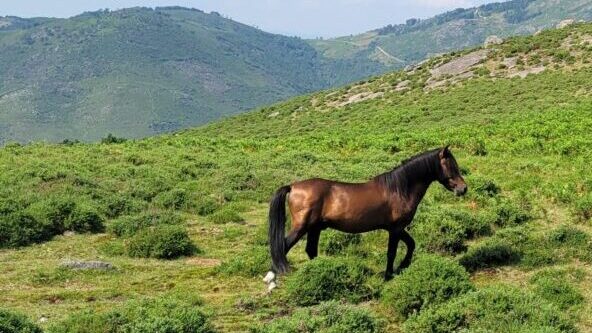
(387, 202)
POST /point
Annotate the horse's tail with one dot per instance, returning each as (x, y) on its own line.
(277, 224)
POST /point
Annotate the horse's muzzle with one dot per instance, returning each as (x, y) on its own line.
(460, 190)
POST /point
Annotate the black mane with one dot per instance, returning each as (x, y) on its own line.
(425, 166)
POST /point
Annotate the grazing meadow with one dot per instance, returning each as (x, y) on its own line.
(182, 218)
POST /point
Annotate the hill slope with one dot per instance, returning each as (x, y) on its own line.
(518, 116)
(137, 72)
(404, 44)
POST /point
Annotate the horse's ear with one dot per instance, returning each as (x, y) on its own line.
(445, 153)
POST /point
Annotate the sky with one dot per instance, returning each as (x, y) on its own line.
(304, 18)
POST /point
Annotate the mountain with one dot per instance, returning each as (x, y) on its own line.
(139, 72)
(517, 116)
(404, 44)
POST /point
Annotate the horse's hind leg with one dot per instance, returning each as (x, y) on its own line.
(393, 242)
(410, 243)
(312, 242)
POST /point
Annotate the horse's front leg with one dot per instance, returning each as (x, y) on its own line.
(393, 243)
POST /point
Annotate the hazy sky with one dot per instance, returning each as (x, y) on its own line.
(305, 18)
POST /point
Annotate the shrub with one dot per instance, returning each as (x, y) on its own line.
(11, 322)
(583, 209)
(485, 187)
(556, 290)
(567, 235)
(507, 214)
(159, 315)
(442, 235)
(173, 199)
(336, 242)
(326, 279)
(430, 280)
(163, 242)
(21, 229)
(326, 317)
(226, 215)
(491, 253)
(206, 206)
(117, 205)
(130, 225)
(493, 309)
(84, 219)
(252, 262)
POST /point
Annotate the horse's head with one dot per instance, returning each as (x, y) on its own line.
(450, 176)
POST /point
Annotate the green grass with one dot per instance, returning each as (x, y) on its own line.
(535, 132)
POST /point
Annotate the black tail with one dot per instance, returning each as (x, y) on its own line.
(277, 225)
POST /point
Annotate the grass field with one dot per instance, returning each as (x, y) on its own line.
(523, 145)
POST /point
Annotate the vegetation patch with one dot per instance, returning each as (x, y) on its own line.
(255, 261)
(430, 280)
(163, 242)
(492, 309)
(158, 315)
(327, 317)
(324, 279)
(12, 322)
(127, 226)
(491, 253)
(335, 242)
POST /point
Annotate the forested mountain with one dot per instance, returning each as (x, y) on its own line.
(140, 71)
(403, 44)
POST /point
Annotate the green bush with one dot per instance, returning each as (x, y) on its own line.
(485, 187)
(508, 214)
(491, 253)
(118, 205)
(583, 208)
(493, 309)
(162, 242)
(11, 322)
(329, 317)
(337, 242)
(159, 315)
(126, 226)
(173, 199)
(21, 229)
(442, 235)
(84, 218)
(324, 279)
(206, 206)
(568, 236)
(430, 280)
(224, 215)
(556, 290)
(255, 261)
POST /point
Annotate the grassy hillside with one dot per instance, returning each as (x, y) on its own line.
(517, 116)
(403, 44)
(137, 72)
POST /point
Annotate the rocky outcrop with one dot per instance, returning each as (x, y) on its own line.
(492, 40)
(565, 23)
(86, 265)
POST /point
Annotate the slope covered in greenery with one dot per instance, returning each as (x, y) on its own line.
(403, 44)
(516, 251)
(137, 72)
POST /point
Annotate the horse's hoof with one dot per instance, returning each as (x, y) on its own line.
(269, 277)
(271, 286)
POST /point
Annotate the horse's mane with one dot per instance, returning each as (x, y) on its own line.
(424, 166)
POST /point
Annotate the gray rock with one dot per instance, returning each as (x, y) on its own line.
(86, 265)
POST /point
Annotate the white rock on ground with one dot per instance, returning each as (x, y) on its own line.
(492, 40)
(565, 23)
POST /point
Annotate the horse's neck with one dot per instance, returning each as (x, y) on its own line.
(417, 191)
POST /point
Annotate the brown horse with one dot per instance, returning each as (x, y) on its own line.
(388, 201)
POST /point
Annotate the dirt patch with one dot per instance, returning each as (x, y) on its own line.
(357, 98)
(526, 72)
(204, 262)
